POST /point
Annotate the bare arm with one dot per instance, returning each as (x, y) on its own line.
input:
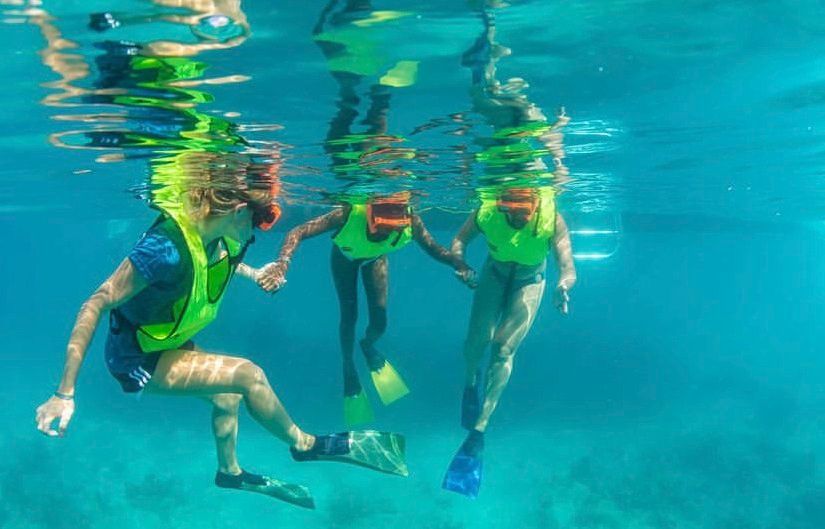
(273, 276)
(328, 222)
(468, 232)
(121, 285)
(563, 251)
(244, 270)
(441, 254)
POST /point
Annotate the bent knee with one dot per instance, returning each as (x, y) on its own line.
(503, 352)
(249, 375)
(227, 402)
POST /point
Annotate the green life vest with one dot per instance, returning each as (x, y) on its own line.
(528, 245)
(353, 241)
(197, 309)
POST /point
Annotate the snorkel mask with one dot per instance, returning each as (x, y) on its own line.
(390, 213)
(265, 216)
(521, 202)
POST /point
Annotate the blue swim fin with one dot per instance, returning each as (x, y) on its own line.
(464, 473)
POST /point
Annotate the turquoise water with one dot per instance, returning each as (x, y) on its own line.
(684, 389)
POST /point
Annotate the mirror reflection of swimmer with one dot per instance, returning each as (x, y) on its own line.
(521, 226)
(169, 288)
(216, 24)
(365, 231)
(361, 48)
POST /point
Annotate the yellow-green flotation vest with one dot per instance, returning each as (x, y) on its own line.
(197, 309)
(526, 246)
(352, 239)
(364, 50)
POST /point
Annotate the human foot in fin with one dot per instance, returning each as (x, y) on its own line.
(388, 383)
(288, 492)
(357, 409)
(471, 404)
(381, 451)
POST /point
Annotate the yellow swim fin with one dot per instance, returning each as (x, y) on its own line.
(357, 409)
(403, 74)
(389, 384)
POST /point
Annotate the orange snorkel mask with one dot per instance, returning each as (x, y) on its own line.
(265, 217)
(391, 213)
(520, 201)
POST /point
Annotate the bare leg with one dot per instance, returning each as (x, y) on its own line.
(225, 429)
(345, 277)
(517, 318)
(487, 303)
(196, 373)
(375, 276)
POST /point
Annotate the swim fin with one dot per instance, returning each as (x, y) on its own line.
(288, 492)
(388, 383)
(357, 409)
(381, 451)
(464, 473)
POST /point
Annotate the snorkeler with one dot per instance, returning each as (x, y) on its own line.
(520, 224)
(169, 288)
(365, 232)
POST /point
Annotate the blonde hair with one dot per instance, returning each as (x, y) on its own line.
(215, 184)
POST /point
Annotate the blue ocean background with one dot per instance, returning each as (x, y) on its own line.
(684, 390)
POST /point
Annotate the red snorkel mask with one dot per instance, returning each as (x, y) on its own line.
(391, 213)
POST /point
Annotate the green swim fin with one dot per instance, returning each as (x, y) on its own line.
(381, 451)
(388, 383)
(357, 409)
(403, 74)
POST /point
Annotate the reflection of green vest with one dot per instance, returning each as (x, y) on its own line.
(527, 246)
(364, 49)
(199, 306)
(353, 240)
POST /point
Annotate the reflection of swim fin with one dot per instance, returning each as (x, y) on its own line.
(103, 21)
(218, 28)
(403, 74)
(288, 492)
(357, 409)
(464, 473)
(381, 451)
(377, 17)
(388, 383)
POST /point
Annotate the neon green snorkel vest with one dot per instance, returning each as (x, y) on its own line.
(352, 240)
(200, 305)
(527, 246)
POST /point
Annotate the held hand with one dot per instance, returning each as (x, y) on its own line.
(467, 276)
(562, 118)
(561, 298)
(51, 410)
(272, 277)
